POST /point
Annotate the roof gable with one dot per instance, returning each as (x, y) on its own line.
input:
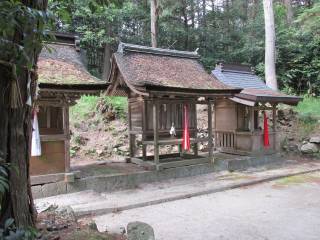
(146, 68)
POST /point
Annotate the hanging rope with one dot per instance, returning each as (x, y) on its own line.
(15, 99)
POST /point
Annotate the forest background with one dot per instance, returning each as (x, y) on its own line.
(222, 30)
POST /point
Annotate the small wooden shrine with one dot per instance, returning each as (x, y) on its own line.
(159, 83)
(62, 80)
(239, 121)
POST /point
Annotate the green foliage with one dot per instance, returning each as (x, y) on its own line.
(308, 115)
(4, 184)
(309, 106)
(15, 15)
(232, 31)
(84, 107)
(119, 105)
(10, 232)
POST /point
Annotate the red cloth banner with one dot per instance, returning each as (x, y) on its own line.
(186, 135)
(265, 131)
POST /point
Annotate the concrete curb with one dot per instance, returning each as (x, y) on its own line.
(102, 211)
(116, 182)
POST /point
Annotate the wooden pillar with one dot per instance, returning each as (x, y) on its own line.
(144, 129)
(132, 137)
(252, 119)
(274, 125)
(210, 142)
(195, 145)
(66, 132)
(215, 125)
(156, 132)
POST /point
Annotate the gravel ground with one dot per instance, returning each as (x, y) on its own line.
(286, 209)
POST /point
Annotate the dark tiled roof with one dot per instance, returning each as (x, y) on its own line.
(253, 86)
(144, 67)
(240, 79)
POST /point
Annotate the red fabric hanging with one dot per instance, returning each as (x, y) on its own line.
(186, 135)
(265, 131)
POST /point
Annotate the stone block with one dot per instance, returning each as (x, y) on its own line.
(309, 148)
(140, 231)
(315, 140)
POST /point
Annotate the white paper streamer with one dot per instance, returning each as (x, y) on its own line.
(36, 143)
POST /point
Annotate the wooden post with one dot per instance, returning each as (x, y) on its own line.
(155, 132)
(252, 119)
(144, 129)
(215, 126)
(132, 139)
(274, 125)
(66, 131)
(195, 146)
(210, 142)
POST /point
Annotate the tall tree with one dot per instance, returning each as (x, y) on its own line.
(289, 14)
(270, 45)
(22, 25)
(154, 11)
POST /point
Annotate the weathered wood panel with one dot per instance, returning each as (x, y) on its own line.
(136, 114)
(52, 159)
(170, 113)
(225, 114)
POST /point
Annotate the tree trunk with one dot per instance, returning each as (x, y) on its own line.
(106, 62)
(270, 47)
(107, 55)
(204, 25)
(15, 125)
(185, 24)
(154, 22)
(287, 4)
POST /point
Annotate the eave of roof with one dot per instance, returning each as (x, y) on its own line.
(79, 87)
(290, 100)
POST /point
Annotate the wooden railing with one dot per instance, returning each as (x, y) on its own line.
(225, 139)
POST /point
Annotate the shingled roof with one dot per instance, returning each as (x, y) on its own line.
(254, 88)
(144, 69)
(60, 66)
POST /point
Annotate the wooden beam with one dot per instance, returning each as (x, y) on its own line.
(53, 137)
(155, 132)
(210, 142)
(175, 141)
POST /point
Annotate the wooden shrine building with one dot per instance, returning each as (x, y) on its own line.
(63, 78)
(239, 119)
(158, 84)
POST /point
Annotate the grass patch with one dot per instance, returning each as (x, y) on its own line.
(83, 108)
(86, 107)
(309, 106)
(308, 115)
(119, 104)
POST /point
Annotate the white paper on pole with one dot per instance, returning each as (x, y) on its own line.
(35, 144)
